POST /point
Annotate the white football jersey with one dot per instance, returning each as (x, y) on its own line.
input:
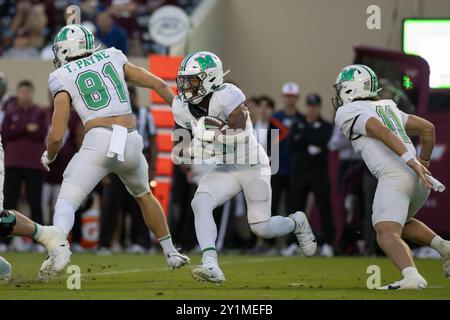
(351, 119)
(222, 103)
(96, 84)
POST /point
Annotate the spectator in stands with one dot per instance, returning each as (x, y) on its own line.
(22, 48)
(109, 33)
(284, 119)
(308, 139)
(24, 130)
(32, 19)
(348, 158)
(5, 98)
(125, 13)
(266, 124)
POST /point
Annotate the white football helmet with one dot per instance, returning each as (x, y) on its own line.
(355, 82)
(72, 41)
(200, 74)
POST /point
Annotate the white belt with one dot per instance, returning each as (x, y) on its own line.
(117, 143)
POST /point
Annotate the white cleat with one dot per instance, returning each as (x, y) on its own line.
(5, 269)
(58, 248)
(304, 233)
(411, 283)
(209, 272)
(447, 267)
(176, 260)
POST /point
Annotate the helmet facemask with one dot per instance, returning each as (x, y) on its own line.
(191, 87)
(337, 100)
(56, 61)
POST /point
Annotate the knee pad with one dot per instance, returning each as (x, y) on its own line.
(7, 222)
(260, 229)
(202, 201)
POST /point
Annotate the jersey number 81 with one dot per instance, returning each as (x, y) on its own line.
(93, 89)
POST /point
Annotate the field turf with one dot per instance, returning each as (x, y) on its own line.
(248, 277)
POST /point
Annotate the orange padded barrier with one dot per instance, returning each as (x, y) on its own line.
(164, 67)
(163, 118)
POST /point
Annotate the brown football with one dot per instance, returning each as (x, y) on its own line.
(214, 123)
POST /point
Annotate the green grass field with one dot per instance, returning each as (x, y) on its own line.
(248, 277)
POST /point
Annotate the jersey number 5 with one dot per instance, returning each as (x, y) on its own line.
(391, 121)
(93, 89)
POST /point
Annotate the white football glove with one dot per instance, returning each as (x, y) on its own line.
(45, 160)
(200, 132)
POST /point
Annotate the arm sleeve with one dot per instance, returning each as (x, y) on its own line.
(404, 117)
(55, 84)
(230, 97)
(118, 56)
(351, 120)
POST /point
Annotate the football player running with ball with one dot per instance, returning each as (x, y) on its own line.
(203, 101)
(94, 83)
(378, 131)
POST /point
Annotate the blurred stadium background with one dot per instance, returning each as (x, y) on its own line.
(266, 44)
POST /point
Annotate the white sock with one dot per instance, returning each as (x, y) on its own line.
(409, 272)
(205, 226)
(442, 246)
(276, 226)
(38, 233)
(64, 217)
(167, 244)
(209, 255)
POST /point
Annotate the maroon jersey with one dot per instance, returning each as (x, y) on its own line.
(24, 148)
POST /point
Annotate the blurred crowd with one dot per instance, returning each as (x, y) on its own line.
(28, 27)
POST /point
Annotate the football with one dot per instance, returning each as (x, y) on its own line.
(215, 123)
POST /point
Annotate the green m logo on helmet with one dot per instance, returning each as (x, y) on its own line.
(62, 35)
(206, 62)
(348, 75)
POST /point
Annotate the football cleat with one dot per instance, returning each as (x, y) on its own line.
(415, 282)
(5, 269)
(176, 260)
(59, 253)
(304, 234)
(209, 272)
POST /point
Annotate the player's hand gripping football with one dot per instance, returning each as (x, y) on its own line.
(45, 160)
(421, 171)
(200, 132)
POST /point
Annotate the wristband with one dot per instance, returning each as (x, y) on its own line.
(406, 157)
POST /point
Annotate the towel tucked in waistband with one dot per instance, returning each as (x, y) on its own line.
(117, 143)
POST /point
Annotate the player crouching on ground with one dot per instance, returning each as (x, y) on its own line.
(377, 129)
(94, 83)
(206, 101)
